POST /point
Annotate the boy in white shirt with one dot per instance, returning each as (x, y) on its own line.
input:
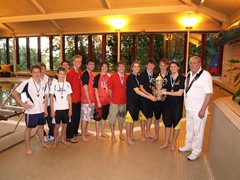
(47, 81)
(61, 104)
(36, 105)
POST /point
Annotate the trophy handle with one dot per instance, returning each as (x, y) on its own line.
(165, 81)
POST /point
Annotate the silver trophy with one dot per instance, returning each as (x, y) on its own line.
(158, 83)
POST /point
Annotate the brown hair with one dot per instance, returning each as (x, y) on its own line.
(104, 62)
(151, 61)
(41, 64)
(61, 69)
(65, 62)
(90, 61)
(135, 62)
(122, 63)
(174, 62)
(164, 60)
(35, 66)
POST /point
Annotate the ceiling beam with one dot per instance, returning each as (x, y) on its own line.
(8, 27)
(56, 25)
(97, 13)
(235, 17)
(38, 6)
(107, 3)
(43, 11)
(212, 14)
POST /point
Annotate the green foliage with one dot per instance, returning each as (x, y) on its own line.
(236, 78)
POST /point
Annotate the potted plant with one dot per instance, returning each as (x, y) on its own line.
(236, 78)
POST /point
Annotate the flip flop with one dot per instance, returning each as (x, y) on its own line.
(72, 140)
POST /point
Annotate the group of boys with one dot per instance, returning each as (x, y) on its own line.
(74, 95)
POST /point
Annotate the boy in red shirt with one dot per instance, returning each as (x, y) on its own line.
(74, 78)
(117, 91)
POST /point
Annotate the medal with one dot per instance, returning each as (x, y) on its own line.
(38, 90)
(61, 89)
(172, 90)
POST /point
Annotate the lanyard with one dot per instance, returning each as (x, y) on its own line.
(195, 78)
(61, 89)
(150, 78)
(121, 79)
(136, 78)
(104, 80)
(38, 90)
(173, 82)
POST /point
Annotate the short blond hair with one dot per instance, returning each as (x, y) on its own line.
(77, 56)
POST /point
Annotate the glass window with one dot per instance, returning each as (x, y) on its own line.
(211, 58)
(33, 45)
(158, 48)
(22, 53)
(143, 48)
(83, 47)
(56, 52)
(97, 50)
(195, 44)
(45, 55)
(111, 52)
(69, 47)
(10, 40)
(3, 51)
(127, 50)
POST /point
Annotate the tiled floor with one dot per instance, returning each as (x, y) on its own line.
(104, 160)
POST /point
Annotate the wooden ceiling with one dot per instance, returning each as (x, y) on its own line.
(51, 17)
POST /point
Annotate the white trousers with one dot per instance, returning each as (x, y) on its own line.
(195, 131)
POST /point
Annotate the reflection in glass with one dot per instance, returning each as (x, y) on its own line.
(97, 50)
(3, 51)
(22, 53)
(111, 52)
(33, 45)
(69, 47)
(56, 52)
(45, 56)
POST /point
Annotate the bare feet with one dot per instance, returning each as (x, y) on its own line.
(84, 139)
(129, 141)
(54, 145)
(72, 140)
(143, 138)
(173, 147)
(122, 137)
(164, 146)
(65, 142)
(29, 152)
(114, 140)
(149, 136)
(155, 139)
(45, 145)
(134, 138)
(99, 138)
(105, 135)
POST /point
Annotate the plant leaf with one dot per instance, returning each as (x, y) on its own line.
(236, 78)
(234, 61)
(237, 94)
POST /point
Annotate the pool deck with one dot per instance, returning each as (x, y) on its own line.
(103, 159)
